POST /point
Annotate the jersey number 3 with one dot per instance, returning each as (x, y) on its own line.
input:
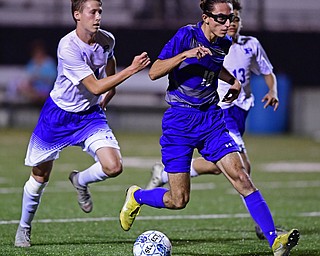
(240, 74)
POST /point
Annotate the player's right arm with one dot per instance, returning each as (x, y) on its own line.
(161, 68)
(98, 87)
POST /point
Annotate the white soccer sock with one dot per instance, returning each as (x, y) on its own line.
(193, 172)
(32, 193)
(93, 174)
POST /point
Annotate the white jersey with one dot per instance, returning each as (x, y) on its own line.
(244, 57)
(76, 61)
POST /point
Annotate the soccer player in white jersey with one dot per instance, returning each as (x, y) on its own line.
(73, 114)
(246, 56)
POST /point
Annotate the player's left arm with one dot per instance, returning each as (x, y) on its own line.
(271, 98)
(235, 88)
(111, 69)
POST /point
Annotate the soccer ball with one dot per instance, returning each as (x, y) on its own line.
(152, 243)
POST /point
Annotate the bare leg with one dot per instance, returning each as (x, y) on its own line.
(41, 173)
(233, 168)
(179, 192)
(109, 165)
(110, 160)
(202, 166)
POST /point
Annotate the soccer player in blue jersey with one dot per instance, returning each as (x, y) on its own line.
(193, 60)
(246, 56)
(73, 114)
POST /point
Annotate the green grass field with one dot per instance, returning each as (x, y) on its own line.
(215, 222)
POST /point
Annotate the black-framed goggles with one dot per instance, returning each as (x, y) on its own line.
(221, 18)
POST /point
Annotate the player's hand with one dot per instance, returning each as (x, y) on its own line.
(272, 100)
(233, 92)
(140, 62)
(198, 52)
(231, 95)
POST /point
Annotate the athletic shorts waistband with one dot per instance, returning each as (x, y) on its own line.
(187, 107)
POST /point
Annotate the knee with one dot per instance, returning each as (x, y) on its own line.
(243, 177)
(180, 203)
(41, 173)
(244, 184)
(112, 170)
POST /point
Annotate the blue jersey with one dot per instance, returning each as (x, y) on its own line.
(194, 82)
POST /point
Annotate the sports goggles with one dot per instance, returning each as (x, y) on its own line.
(221, 18)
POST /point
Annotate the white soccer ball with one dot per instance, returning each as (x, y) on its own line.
(152, 243)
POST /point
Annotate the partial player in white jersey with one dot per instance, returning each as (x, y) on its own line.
(246, 56)
(73, 113)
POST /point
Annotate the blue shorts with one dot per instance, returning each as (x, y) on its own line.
(57, 129)
(185, 129)
(235, 119)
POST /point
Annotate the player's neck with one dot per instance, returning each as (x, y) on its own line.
(211, 37)
(88, 38)
(235, 39)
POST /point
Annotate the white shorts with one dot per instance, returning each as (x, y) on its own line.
(98, 140)
(58, 129)
(101, 139)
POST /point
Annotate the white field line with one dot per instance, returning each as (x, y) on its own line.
(290, 184)
(298, 184)
(163, 217)
(291, 167)
(147, 163)
(64, 187)
(309, 214)
(138, 162)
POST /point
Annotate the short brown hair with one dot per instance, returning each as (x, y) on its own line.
(208, 5)
(77, 5)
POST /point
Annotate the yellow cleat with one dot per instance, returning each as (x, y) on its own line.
(283, 244)
(130, 209)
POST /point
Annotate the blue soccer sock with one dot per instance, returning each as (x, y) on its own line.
(261, 214)
(153, 197)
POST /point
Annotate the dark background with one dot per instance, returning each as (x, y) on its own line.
(295, 54)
